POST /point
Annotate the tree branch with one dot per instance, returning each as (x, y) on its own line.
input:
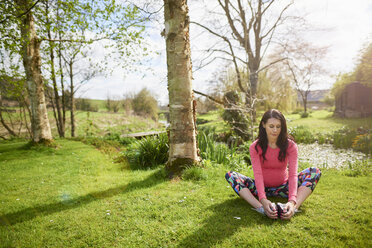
(272, 63)
(209, 97)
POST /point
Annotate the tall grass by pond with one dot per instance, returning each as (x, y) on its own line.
(359, 139)
(152, 151)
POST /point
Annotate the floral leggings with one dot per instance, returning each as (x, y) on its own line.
(308, 178)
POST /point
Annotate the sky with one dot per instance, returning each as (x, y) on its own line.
(346, 26)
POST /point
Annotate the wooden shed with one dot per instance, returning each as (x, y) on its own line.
(354, 101)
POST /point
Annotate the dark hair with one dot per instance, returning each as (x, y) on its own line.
(282, 141)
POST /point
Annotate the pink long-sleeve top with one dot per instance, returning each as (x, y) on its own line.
(272, 172)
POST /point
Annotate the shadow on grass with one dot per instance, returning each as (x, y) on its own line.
(42, 210)
(11, 146)
(224, 223)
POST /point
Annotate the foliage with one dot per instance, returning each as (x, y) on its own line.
(359, 168)
(343, 138)
(148, 152)
(117, 137)
(234, 157)
(206, 105)
(200, 121)
(235, 116)
(302, 134)
(275, 90)
(85, 105)
(363, 72)
(210, 149)
(363, 143)
(145, 104)
(304, 114)
(341, 81)
(112, 105)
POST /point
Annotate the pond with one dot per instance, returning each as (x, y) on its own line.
(326, 156)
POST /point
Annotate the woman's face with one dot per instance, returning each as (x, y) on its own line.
(273, 128)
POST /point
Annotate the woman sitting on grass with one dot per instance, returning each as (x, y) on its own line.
(273, 150)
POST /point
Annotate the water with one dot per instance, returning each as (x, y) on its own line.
(327, 156)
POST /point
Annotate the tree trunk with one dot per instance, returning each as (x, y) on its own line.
(182, 136)
(32, 63)
(72, 100)
(59, 121)
(305, 103)
(10, 131)
(253, 81)
(61, 71)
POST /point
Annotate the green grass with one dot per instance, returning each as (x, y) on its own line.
(75, 196)
(101, 104)
(97, 123)
(214, 119)
(321, 121)
(324, 121)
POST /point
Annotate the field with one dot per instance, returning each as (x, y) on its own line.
(76, 195)
(94, 124)
(324, 121)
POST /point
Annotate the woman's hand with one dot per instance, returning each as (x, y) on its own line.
(270, 209)
(289, 210)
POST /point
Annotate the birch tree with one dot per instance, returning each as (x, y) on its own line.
(182, 136)
(30, 50)
(29, 25)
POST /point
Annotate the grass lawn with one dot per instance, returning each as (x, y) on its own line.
(75, 196)
(323, 121)
(320, 121)
(95, 123)
(214, 120)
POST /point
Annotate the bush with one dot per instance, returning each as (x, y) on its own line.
(301, 134)
(234, 157)
(343, 138)
(323, 138)
(148, 152)
(117, 137)
(145, 104)
(112, 104)
(210, 149)
(207, 130)
(85, 105)
(363, 143)
(304, 114)
(235, 116)
(244, 151)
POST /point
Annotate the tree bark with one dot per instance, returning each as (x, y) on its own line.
(72, 100)
(32, 63)
(182, 136)
(59, 119)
